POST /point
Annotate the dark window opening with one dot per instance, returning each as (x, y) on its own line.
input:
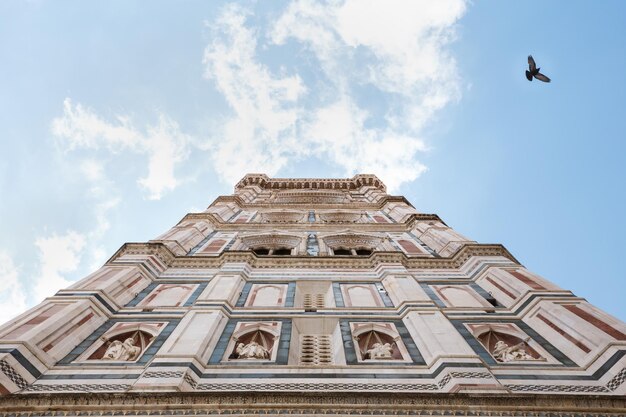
(282, 251)
(363, 252)
(261, 251)
(342, 251)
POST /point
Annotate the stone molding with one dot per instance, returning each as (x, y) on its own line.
(309, 403)
(222, 225)
(347, 184)
(273, 205)
(166, 256)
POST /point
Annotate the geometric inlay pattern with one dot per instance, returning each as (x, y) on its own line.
(12, 374)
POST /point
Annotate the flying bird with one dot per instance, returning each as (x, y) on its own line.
(533, 71)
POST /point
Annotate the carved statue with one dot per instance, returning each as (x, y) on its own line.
(380, 351)
(122, 351)
(505, 353)
(252, 351)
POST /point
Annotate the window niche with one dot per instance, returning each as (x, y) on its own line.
(352, 251)
(281, 251)
(352, 244)
(124, 342)
(506, 343)
(271, 244)
(254, 342)
(378, 342)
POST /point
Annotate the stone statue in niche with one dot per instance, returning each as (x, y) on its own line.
(505, 353)
(252, 350)
(380, 351)
(122, 351)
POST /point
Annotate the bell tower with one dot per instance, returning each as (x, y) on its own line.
(313, 296)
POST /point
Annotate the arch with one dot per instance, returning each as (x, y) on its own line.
(340, 217)
(267, 295)
(361, 295)
(342, 252)
(168, 295)
(353, 242)
(498, 343)
(261, 251)
(264, 334)
(368, 340)
(458, 296)
(378, 341)
(271, 242)
(260, 337)
(140, 341)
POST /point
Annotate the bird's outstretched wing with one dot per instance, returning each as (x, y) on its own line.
(531, 63)
(529, 76)
(542, 77)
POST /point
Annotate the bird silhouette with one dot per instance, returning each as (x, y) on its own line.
(533, 71)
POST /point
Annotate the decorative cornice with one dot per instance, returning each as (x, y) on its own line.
(378, 204)
(354, 183)
(166, 256)
(309, 403)
(391, 227)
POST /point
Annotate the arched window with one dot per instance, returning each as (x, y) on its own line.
(261, 251)
(342, 251)
(352, 244)
(270, 244)
(276, 252)
(282, 252)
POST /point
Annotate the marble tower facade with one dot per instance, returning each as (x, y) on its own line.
(312, 296)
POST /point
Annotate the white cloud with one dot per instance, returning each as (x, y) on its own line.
(338, 132)
(262, 130)
(12, 295)
(164, 144)
(396, 49)
(58, 255)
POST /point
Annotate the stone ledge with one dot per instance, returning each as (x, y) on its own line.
(251, 403)
(318, 262)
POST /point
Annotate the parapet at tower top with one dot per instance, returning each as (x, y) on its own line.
(359, 180)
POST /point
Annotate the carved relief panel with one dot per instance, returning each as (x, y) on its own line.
(123, 342)
(507, 343)
(282, 217)
(254, 342)
(377, 341)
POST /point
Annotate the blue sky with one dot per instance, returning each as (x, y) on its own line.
(118, 117)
